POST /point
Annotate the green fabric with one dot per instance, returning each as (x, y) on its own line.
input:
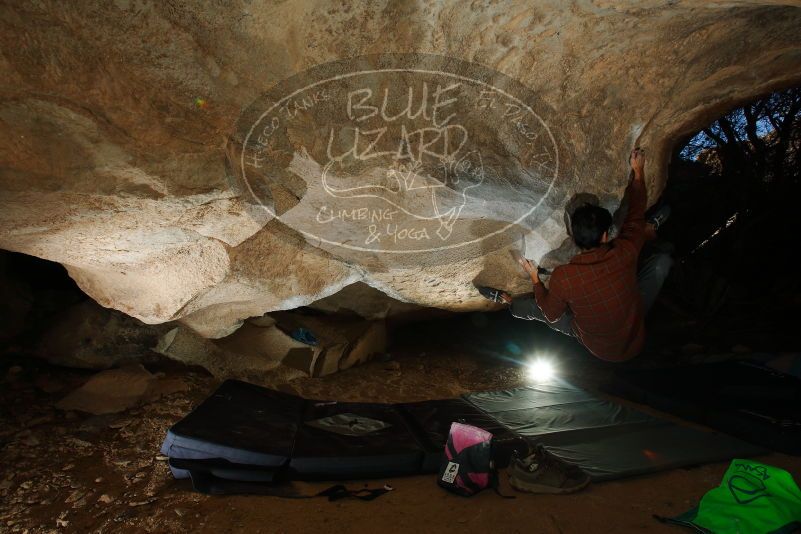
(753, 498)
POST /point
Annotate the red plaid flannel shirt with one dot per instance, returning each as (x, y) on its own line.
(600, 287)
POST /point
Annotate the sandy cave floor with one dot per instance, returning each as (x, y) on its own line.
(73, 472)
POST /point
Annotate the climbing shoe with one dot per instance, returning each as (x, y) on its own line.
(490, 293)
(659, 216)
(542, 472)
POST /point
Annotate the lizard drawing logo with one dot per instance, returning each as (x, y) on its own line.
(398, 154)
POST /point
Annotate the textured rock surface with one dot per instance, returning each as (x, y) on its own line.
(262, 350)
(110, 391)
(117, 119)
(89, 336)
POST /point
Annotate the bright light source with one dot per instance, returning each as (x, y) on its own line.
(540, 370)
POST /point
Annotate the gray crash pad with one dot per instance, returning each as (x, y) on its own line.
(607, 439)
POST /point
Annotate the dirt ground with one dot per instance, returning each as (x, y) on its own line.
(74, 472)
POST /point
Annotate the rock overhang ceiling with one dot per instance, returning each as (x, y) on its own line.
(212, 162)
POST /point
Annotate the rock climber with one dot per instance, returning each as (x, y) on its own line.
(601, 296)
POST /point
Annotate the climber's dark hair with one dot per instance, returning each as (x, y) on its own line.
(588, 224)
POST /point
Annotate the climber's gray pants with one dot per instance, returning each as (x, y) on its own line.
(650, 278)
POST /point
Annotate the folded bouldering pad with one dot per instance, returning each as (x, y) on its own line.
(306, 439)
(241, 423)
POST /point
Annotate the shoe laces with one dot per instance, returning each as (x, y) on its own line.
(543, 459)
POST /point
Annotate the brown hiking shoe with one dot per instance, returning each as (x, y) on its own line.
(542, 472)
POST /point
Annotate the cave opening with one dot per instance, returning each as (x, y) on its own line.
(733, 187)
